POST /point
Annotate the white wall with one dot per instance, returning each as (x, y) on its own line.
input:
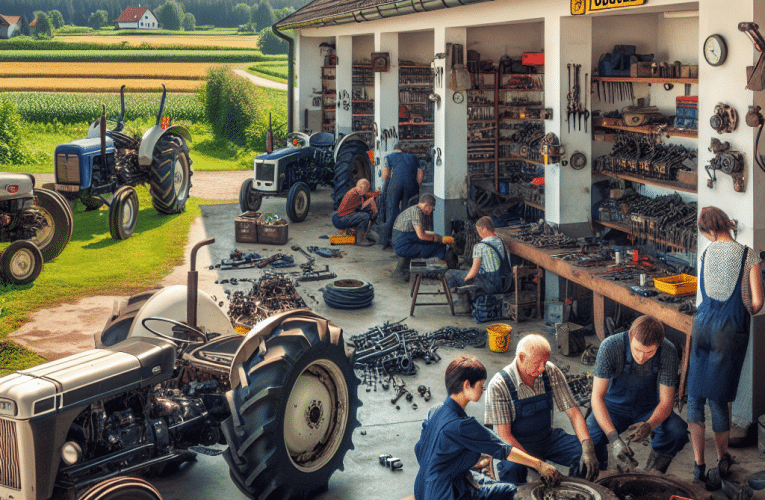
(416, 46)
(492, 42)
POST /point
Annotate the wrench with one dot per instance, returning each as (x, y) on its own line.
(297, 248)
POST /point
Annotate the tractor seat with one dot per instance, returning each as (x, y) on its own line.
(216, 354)
(322, 139)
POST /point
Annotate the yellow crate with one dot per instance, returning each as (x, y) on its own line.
(680, 284)
(342, 239)
(448, 240)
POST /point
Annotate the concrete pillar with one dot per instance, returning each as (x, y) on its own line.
(386, 101)
(308, 68)
(343, 83)
(450, 136)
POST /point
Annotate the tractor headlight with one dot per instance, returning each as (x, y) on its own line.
(71, 453)
(7, 407)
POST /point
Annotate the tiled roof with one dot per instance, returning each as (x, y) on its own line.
(9, 20)
(321, 9)
(131, 14)
(33, 23)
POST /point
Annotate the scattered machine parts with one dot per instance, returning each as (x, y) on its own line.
(578, 160)
(391, 462)
(755, 75)
(725, 119)
(551, 149)
(727, 161)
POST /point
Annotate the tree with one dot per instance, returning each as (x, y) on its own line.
(98, 19)
(241, 13)
(170, 15)
(43, 28)
(189, 22)
(56, 19)
(269, 43)
(263, 16)
(12, 149)
(280, 14)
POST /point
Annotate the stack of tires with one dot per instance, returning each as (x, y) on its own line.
(348, 294)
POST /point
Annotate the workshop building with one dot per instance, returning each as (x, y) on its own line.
(492, 93)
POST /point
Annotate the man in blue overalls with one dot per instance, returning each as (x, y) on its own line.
(402, 172)
(519, 402)
(634, 389)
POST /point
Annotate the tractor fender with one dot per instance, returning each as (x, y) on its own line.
(150, 138)
(170, 302)
(353, 136)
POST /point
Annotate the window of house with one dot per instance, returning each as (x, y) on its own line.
(141, 23)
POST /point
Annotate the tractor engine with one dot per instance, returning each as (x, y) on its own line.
(80, 167)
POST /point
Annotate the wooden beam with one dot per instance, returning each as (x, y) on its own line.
(599, 314)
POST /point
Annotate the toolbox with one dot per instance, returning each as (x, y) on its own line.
(680, 284)
(274, 234)
(246, 227)
(568, 339)
(641, 70)
(533, 58)
(687, 111)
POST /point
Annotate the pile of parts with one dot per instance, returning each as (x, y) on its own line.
(543, 235)
(640, 154)
(272, 294)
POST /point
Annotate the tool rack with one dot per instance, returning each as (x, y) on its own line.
(363, 100)
(328, 98)
(415, 126)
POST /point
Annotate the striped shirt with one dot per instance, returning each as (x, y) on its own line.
(612, 355)
(352, 203)
(409, 218)
(489, 258)
(500, 409)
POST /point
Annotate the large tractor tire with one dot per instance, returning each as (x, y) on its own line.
(298, 202)
(53, 238)
(348, 294)
(294, 414)
(123, 213)
(121, 488)
(570, 487)
(352, 165)
(170, 178)
(249, 199)
(21, 263)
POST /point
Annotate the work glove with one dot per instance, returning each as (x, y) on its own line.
(589, 464)
(548, 474)
(621, 450)
(638, 432)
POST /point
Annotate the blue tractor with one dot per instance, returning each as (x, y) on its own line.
(303, 164)
(104, 167)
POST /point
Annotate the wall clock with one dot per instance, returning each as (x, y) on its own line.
(715, 50)
(458, 97)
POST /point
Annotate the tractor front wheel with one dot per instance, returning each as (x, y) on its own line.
(352, 165)
(123, 213)
(121, 488)
(53, 238)
(298, 202)
(249, 199)
(170, 178)
(21, 263)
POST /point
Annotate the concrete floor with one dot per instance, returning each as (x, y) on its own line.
(386, 430)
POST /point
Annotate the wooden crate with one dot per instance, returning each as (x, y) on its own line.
(246, 227)
(274, 234)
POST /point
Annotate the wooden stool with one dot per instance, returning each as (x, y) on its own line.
(420, 267)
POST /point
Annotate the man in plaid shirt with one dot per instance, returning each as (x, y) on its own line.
(356, 210)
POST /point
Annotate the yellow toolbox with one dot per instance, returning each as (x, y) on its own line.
(680, 284)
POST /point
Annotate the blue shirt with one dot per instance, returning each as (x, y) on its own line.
(450, 444)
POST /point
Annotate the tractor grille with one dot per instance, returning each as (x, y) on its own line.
(264, 172)
(10, 474)
(68, 169)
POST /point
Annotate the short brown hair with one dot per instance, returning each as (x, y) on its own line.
(486, 223)
(461, 369)
(428, 199)
(647, 330)
(714, 220)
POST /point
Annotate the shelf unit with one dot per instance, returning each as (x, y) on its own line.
(415, 119)
(328, 98)
(626, 229)
(363, 104)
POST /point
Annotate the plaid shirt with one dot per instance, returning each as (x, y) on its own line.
(352, 203)
(499, 408)
(489, 259)
(612, 355)
(409, 218)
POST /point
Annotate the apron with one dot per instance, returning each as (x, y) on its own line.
(401, 185)
(636, 394)
(719, 340)
(533, 416)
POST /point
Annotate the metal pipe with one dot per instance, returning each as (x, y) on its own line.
(193, 283)
(290, 76)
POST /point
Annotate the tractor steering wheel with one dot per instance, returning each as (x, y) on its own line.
(297, 140)
(185, 329)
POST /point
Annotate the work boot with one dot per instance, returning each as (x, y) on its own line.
(658, 462)
(402, 269)
(361, 236)
(723, 465)
(713, 482)
(452, 261)
(699, 472)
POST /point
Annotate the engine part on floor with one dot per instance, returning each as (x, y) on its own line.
(570, 488)
(311, 274)
(330, 253)
(238, 260)
(298, 248)
(589, 355)
(727, 161)
(642, 485)
(348, 294)
(581, 387)
(391, 462)
(272, 294)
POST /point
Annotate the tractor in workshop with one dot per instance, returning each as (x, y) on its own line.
(301, 166)
(104, 167)
(170, 378)
(38, 224)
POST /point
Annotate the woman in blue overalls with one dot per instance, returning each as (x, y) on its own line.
(731, 290)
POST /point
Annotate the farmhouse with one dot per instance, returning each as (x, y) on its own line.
(137, 18)
(10, 25)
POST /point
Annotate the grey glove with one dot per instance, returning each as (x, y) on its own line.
(621, 450)
(639, 432)
(589, 464)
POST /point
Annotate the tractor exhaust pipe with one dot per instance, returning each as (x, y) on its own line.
(162, 105)
(193, 283)
(102, 127)
(120, 124)
(269, 136)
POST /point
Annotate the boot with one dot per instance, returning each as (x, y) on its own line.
(699, 472)
(361, 236)
(658, 462)
(402, 269)
(452, 261)
(713, 482)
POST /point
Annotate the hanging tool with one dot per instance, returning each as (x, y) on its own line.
(570, 97)
(757, 76)
(577, 93)
(586, 110)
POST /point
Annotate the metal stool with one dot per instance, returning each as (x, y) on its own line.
(422, 267)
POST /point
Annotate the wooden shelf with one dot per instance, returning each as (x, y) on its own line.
(328, 67)
(647, 129)
(416, 140)
(415, 123)
(520, 90)
(523, 119)
(647, 180)
(364, 100)
(482, 89)
(625, 229)
(363, 114)
(416, 66)
(415, 85)
(482, 160)
(362, 66)
(534, 205)
(521, 158)
(626, 79)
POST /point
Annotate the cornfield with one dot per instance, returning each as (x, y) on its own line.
(79, 108)
(58, 84)
(209, 42)
(186, 56)
(116, 70)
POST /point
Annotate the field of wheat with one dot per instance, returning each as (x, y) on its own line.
(127, 70)
(212, 40)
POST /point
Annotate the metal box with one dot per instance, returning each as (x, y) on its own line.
(246, 227)
(641, 70)
(569, 342)
(274, 234)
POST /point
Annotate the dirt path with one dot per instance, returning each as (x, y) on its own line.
(261, 82)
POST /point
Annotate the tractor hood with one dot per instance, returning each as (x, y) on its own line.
(285, 152)
(13, 185)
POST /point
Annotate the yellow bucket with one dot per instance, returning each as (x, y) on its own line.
(499, 337)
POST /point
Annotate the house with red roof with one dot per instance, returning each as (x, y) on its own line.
(9, 26)
(137, 18)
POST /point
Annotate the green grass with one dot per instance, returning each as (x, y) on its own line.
(276, 71)
(93, 263)
(135, 55)
(32, 44)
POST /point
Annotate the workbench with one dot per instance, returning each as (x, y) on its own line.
(601, 288)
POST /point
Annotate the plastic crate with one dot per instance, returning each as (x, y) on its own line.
(680, 284)
(342, 239)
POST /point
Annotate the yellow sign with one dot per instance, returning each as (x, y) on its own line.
(579, 7)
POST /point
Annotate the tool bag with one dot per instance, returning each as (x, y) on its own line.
(487, 308)
(635, 116)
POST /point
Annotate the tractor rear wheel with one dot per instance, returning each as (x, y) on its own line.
(249, 199)
(298, 202)
(123, 213)
(170, 177)
(293, 417)
(352, 165)
(53, 238)
(21, 263)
